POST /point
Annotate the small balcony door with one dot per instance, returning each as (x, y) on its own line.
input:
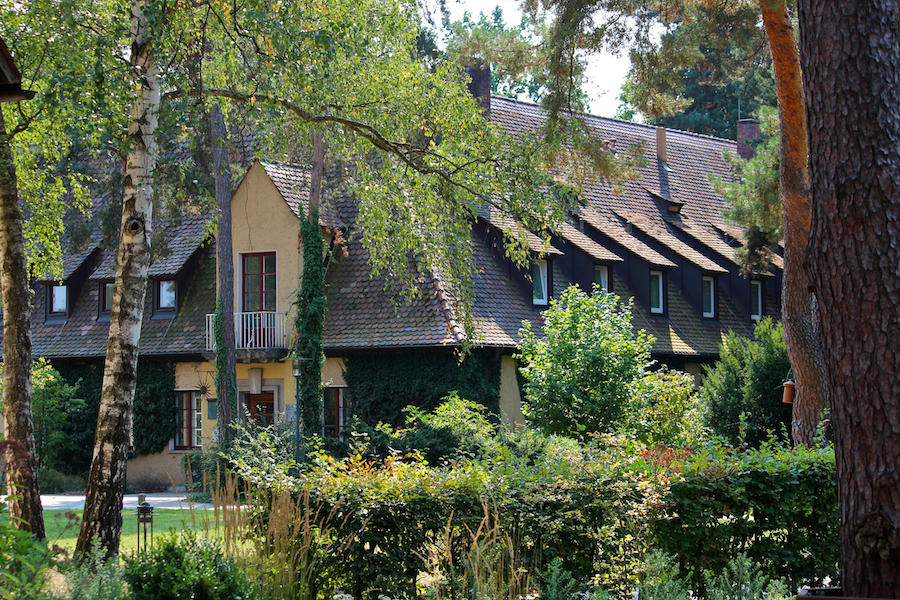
(257, 296)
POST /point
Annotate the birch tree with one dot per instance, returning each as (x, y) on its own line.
(416, 153)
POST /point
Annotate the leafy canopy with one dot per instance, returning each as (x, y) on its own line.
(581, 374)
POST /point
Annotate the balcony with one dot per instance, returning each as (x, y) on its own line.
(259, 336)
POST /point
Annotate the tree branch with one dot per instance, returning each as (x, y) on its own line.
(402, 150)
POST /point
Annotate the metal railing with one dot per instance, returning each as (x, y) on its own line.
(252, 330)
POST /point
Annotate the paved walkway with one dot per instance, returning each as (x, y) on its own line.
(164, 500)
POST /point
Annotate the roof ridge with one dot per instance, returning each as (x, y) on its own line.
(620, 121)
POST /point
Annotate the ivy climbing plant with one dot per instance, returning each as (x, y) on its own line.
(309, 325)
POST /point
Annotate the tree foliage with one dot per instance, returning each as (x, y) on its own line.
(741, 394)
(754, 197)
(710, 67)
(582, 372)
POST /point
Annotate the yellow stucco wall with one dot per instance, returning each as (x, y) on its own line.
(510, 399)
(261, 221)
(333, 372)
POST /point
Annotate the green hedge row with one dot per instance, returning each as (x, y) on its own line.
(598, 508)
(777, 506)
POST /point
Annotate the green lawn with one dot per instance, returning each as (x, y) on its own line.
(63, 531)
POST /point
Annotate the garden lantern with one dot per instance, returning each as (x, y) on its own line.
(145, 520)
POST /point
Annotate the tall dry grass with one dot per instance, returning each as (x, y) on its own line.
(279, 539)
(476, 564)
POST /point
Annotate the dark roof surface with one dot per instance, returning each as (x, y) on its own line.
(684, 179)
(84, 335)
(292, 183)
(182, 235)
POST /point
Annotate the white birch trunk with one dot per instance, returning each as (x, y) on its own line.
(102, 520)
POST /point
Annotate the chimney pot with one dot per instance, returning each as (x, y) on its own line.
(480, 87)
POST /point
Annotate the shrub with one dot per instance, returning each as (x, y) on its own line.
(747, 381)
(778, 506)
(581, 372)
(55, 482)
(24, 562)
(185, 566)
(97, 578)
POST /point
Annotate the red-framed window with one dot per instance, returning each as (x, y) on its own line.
(335, 412)
(189, 420)
(258, 281)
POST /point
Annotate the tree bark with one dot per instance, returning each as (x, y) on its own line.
(226, 375)
(850, 54)
(102, 520)
(18, 425)
(803, 339)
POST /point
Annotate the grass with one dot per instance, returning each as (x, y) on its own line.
(62, 526)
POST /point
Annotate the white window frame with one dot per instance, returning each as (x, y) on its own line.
(661, 288)
(57, 290)
(601, 272)
(160, 307)
(539, 276)
(756, 291)
(711, 282)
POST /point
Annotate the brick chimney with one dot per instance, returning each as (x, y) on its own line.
(480, 87)
(747, 130)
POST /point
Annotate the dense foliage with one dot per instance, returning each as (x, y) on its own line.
(310, 323)
(154, 412)
(580, 373)
(754, 197)
(382, 384)
(596, 508)
(24, 561)
(589, 372)
(185, 566)
(53, 405)
(741, 394)
(777, 506)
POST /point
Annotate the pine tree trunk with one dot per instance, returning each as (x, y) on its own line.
(850, 54)
(803, 339)
(18, 426)
(102, 520)
(226, 375)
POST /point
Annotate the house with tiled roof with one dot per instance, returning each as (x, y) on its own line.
(659, 239)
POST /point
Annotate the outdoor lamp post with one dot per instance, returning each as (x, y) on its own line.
(296, 363)
(144, 518)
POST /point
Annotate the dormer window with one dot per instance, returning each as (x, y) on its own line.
(106, 296)
(601, 277)
(709, 297)
(657, 296)
(756, 300)
(57, 303)
(165, 297)
(540, 282)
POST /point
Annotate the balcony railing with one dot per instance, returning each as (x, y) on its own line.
(259, 330)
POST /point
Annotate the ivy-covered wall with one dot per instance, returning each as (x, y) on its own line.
(381, 384)
(154, 407)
